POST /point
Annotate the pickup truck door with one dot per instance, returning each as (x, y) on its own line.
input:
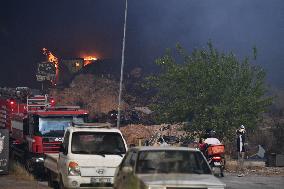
(62, 160)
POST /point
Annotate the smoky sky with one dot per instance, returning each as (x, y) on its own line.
(71, 28)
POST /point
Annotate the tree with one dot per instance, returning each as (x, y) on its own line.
(208, 89)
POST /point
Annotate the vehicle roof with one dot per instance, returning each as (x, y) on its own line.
(155, 148)
(61, 112)
(93, 129)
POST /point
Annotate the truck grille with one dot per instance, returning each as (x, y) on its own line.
(97, 171)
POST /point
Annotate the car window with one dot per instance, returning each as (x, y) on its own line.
(133, 159)
(102, 143)
(171, 161)
(126, 160)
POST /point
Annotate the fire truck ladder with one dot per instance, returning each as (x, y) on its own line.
(63, 108)
(37, 102)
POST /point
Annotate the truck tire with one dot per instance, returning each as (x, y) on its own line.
(56, 185)
(29, 165)
(49, 179)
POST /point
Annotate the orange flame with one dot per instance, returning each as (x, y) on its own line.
(89, 59)
(52, 58)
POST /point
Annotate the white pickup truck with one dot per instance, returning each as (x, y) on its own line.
(88, 157)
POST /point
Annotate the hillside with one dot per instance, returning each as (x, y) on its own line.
(98, 95)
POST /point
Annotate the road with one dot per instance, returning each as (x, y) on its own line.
(252, 181)
(232, 181)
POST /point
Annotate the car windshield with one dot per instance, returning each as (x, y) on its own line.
(101, 143)
(55, 126)
(171, 161)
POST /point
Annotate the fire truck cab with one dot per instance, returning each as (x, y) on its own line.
(37, 127)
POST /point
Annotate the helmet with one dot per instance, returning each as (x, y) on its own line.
(242, 127)
(212, 133)
(209, 133)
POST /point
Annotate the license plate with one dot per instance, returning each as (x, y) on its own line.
(217, 163)
(101, 180)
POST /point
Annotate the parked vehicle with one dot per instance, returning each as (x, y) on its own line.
(164, 168)
(172, 140)
(88, 157)
(112, 117)
(36, 127)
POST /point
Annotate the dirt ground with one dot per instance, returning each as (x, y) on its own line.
(254, 168)
(232, 181)
(11, 182)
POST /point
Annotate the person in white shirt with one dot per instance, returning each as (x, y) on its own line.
(212, 140)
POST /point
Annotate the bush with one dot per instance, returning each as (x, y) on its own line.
(17, 170)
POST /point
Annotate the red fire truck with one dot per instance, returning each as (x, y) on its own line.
(36, 127)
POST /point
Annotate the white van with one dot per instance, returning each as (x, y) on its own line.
(88, 157)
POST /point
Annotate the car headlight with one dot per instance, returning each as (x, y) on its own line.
(73, 169)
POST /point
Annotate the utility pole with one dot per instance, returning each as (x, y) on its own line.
(121, 67)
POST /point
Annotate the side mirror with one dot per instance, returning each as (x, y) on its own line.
(127, 169)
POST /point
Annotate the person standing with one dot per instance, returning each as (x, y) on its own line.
(241, 139)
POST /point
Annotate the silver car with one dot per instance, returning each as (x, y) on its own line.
(165, 168)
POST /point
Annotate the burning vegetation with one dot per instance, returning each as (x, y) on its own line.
(53, 59)
(89, 59)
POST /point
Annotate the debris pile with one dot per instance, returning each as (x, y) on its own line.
(132, 133)
(98, 95)
(254, 168)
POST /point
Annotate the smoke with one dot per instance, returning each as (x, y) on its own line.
(235, 26)
(70, 27)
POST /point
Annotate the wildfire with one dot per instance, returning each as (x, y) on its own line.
(89, 60)
(52, 58)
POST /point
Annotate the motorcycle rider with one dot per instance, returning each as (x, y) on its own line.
(212, 140)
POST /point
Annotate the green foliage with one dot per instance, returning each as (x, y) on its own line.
(208, 89)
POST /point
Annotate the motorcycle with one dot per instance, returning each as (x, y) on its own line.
(216, 159)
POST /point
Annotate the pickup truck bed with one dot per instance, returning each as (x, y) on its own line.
(51, 162)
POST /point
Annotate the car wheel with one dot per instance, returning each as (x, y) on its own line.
(221, 171)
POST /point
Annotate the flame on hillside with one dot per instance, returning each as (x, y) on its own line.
(89, 59)
(52, 58)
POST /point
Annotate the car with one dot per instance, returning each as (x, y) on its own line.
(112, 117)
(167, 167)
(171, 139)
